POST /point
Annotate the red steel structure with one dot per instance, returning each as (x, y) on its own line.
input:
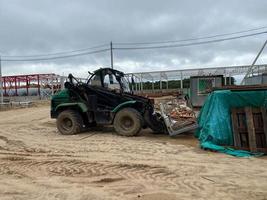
(29, 81)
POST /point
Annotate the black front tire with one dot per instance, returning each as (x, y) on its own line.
(128, 122)
(69, 122)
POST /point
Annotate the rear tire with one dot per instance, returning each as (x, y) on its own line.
(128, 122)
(69, 122)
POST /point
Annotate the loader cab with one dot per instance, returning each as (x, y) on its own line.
(110, 79)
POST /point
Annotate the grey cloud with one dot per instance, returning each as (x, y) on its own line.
(37, 27)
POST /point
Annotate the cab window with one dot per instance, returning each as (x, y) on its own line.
(111, 82)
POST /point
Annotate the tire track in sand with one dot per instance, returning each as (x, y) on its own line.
(77, 168)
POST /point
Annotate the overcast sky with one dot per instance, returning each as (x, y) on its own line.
(30, 27)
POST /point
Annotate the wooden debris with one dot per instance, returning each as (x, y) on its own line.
(250, 129)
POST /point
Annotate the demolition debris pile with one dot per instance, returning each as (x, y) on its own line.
(182, 112)
(178, 110)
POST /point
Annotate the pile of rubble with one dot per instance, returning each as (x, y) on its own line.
(178, 109)
(182, 112)
(179, 112)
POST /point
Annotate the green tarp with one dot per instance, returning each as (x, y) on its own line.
(215, 118)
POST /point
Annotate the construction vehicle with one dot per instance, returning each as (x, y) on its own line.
(106, 99)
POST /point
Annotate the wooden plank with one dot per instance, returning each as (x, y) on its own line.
(237, 141)
(251, 129)
(264, 118)
(242, 87)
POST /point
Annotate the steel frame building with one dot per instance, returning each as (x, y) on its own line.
(39, 81)
(47, 84)
(153, 76)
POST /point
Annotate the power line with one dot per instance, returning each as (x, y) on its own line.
(189, 39)
(67, 54)
(57, 57)
(189, 44)
(57, 53)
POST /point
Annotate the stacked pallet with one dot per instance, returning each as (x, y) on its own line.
(250, 129)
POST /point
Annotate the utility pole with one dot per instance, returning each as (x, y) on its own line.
(111, 55)
(1, 84)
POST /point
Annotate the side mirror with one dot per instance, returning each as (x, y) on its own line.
(70, 78)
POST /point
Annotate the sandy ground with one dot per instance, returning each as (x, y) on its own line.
(36, 162)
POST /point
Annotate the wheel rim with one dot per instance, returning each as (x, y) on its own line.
(66, 124)
(127, 123)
